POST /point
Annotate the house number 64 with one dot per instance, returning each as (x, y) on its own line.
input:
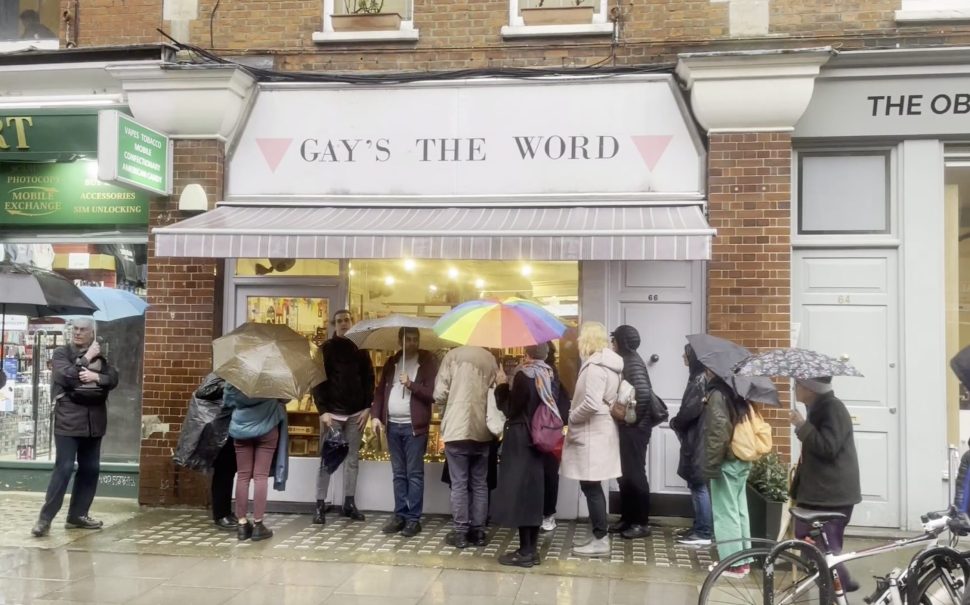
(844, 299)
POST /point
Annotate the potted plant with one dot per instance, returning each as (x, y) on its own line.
(365, 15)
(572, 12)
(767, 494)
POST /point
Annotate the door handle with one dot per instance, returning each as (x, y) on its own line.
(892, 410)
(844, 358)
(654, 358)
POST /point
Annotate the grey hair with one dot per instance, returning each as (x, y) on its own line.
(86, 322)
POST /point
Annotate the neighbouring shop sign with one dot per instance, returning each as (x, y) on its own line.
(563, 136)
(842, 107)
(133, 155)
(34, 135)
(65, 194)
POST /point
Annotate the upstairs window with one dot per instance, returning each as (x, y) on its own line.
(362, 20)
(28, 23)
(933, 10)
(557, 18)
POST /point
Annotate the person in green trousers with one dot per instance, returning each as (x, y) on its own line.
(728, 476)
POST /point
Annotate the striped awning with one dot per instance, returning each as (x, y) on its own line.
(677, 231)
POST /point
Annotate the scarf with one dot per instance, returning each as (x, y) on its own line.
(541, 374)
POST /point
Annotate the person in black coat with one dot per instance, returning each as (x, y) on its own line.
(82, 379)
(688, 425)
(521, 490)
(634, 439)
(550, 462)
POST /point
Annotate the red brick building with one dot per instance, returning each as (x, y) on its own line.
(821, 141)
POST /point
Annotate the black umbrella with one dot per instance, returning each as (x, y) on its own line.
(35, 292)
(720, 356)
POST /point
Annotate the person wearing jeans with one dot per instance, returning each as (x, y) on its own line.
(255, 429)
(82, 379)
(591, 451)
(402, 408)
(688, 425)
(462, 385)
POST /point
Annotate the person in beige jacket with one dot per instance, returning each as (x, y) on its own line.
(462, 385)
(591, 452)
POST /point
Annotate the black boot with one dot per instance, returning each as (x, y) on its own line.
(350, 509)
(318, 517)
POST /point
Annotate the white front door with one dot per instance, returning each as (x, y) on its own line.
(846, 304)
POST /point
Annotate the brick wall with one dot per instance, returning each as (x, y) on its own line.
(749, 277)
(183, 319)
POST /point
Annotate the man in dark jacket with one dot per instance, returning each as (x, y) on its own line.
(827, 478)
(343, 401)
(688, 425)
(402, 406)
(634, 439)
(81, 379)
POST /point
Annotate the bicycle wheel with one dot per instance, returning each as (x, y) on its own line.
(792, 578)
(940, 587)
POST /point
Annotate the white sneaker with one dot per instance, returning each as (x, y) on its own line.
(548, 523)
(694, 540)
(597, 547)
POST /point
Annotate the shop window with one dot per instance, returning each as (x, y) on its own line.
(431, 288)
(843, 193)
(933, 10)
(530, 18)
(27, 23)
(362, 20)
(286, 267)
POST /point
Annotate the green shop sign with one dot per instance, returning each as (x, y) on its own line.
(39, 135)
(133, 155)
(65, 194)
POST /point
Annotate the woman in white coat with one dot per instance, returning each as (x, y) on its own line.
(591, 452)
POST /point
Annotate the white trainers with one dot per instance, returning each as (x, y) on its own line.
(548, 523)
(694, 540)
(597, 547)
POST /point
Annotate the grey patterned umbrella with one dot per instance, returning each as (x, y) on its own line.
(720, 356)
(800, 364)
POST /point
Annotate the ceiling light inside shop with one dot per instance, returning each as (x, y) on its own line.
(409, 264)
(352, 273)
(433, 288)
(453, 273)
(479, 283)
(526, 270)
(389, 280)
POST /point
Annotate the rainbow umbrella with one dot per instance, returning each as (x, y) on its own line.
(514, 322)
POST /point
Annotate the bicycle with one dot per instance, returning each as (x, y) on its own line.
(798, 572)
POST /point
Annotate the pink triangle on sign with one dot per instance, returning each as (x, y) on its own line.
(652, 147)
(273, 151)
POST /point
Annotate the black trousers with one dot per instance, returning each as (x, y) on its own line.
(596, 502)
(87, 452)
(634, 487)
(528, 539)
(223, 473)
(550, 476)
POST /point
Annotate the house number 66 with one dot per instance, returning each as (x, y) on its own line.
(653, 297)
(844, 299)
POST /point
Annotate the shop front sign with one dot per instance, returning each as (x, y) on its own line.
(894, 107)
(558, 136)
(65, 194)
(133, 155)
(27, 135)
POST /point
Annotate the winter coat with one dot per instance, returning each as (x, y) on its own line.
(828, 474)
(721, 411)
(635, 372)
(591, 451)
(961, 499)
(349, 387)
(251, 417)
(422, 390)
(519, 499)
(465, 375)
(688, 425)
(79, 410)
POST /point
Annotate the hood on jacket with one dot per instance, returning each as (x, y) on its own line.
(608, 359)
(694, 365)
(961, 366)
(627, 339)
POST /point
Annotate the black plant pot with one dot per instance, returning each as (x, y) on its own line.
(764, 515)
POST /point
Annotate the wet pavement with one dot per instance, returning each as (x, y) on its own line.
(165, 556)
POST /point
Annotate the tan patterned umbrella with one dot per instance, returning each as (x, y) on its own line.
(268, 360)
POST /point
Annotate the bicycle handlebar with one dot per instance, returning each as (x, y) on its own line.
(936, 522)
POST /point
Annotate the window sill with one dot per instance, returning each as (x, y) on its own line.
(923, 16)
(403, 35)
(9, 46)
(545, 31)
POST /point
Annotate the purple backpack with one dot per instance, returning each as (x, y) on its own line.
(546, 431)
